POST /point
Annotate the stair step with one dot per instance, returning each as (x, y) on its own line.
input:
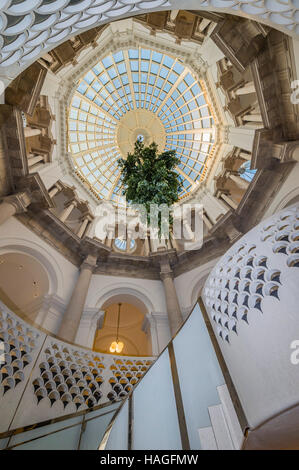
(231, 416)
(207, 439)
(220, 428)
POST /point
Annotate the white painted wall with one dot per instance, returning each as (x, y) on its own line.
(287, 191)
(258, 355)
(150, 292)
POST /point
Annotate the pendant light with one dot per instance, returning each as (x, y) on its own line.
(117, 346)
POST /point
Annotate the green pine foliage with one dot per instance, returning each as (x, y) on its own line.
(148, 177)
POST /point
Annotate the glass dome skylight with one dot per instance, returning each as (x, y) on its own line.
(138, 93)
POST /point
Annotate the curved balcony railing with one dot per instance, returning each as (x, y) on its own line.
(59, 396)
(43, 378)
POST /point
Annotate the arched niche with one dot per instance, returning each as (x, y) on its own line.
(24, 282)
(37, 252)
(131, 333)
(126, 292)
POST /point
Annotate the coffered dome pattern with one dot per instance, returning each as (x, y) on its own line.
(138, 93)
(28, 27)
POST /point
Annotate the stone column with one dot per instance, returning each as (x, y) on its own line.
(212, 206)
(72, 316)
(203, 24)
(30, 131)
(229, 200)
(246, 89)
(129, 239)
(173, 242)
(253, 118)
(149, 328)
(146, 246)
(55, 190)
(207, 222)
(12, 205)
(109, 238)
(83, 226)
(67, 211)
(175, 317)
(187, 231)
(32, 160)
(240, 182)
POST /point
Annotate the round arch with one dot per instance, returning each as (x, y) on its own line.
(52, 269)
(129, 313)
(138, 297)
(197, 283)
(291, 198)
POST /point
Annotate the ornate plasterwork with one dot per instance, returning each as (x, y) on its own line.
(112, 43)
(29, 28)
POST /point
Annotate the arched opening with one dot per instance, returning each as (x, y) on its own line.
(131, 319)
(292, 201)
(23, 284)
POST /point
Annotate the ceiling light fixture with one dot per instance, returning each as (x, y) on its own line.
(117, 346)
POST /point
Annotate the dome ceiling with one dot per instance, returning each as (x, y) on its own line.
(138, 93)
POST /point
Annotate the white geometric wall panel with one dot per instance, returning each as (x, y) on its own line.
(29, 28)
(252, 299)
(42, 377)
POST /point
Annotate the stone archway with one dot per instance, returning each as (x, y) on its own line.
(131, 327)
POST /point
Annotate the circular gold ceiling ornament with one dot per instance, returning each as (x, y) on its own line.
(139, 124)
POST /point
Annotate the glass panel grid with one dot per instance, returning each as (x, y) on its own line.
(129, 80)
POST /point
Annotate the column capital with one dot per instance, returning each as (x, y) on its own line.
(20, 201)
(89, 262)
(166, 275)
(166, 271)
(72, 202)
(88, 216)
